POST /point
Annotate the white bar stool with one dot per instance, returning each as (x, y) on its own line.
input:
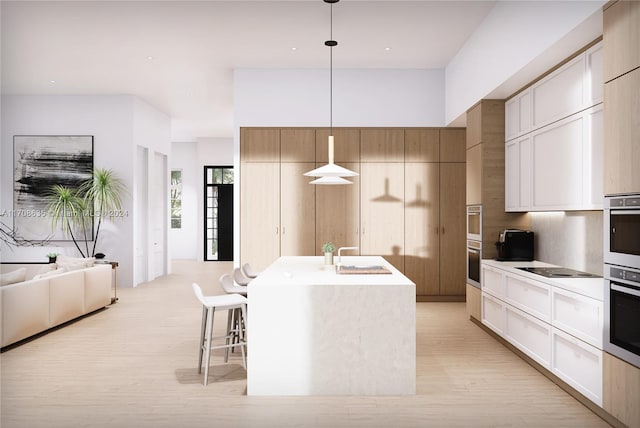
(209, 305)
(248, 272)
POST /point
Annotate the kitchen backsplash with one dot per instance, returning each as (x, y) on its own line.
(572, 239)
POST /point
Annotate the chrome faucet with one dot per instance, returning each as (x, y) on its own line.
(340, 255)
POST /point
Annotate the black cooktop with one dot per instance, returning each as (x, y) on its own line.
(558, 272)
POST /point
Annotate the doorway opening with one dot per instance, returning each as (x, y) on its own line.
(218, 213)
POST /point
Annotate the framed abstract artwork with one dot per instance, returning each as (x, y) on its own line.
(39, 163)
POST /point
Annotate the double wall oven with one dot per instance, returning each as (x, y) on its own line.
(474, 244)
(622, 277)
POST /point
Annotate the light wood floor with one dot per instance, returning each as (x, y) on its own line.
(134, 364)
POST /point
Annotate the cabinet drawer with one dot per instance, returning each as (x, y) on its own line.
(492, 281)
(493, 313)
(578, 364)
(578, 315)
(532, 297)
(529, 334)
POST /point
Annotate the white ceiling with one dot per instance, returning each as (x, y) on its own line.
(90, 47)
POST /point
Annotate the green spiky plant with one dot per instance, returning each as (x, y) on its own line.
(96, 198)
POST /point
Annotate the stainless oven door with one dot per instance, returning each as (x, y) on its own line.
(474, 222)
(622, 313)
(474, 256)
(622, 231)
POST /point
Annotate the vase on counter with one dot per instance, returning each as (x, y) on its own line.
(328, 258)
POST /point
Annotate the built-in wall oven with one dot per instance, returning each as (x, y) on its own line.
(622, 313)
(474, 244)
(622, 277)
(474, 222)
(474, 255)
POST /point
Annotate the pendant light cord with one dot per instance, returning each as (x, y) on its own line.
(331, 73)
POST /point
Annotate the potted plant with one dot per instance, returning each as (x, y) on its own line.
(328, 248)
(97, 198)
(52, 257)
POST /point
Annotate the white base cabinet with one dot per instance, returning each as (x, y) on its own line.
(578, 364)
(558, 328)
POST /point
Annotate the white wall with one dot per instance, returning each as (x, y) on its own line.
(118, 123)
(511, 39)
(192, 157)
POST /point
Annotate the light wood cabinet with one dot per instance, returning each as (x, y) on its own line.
(621, 134)
(259, 213)
(382, 211)
(621, 393)
(422, 145)
(474, 302)
(422, 227)
(621, 22)
(298, 145)
(382, 145)
(435, 256)
(338, 213)
(260, 145)
(297, 210)
(453, 254)
(273, 225)
(452, 145)
(346, 145)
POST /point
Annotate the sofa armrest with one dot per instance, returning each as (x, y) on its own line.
(25, 310)
(97, 287)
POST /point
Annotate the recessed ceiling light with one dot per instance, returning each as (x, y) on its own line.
(294, 49)
(387, 49)
(149, 57)
(52, 81)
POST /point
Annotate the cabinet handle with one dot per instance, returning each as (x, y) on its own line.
(277, 229)
(363, 230)
(283, 230)
(443, 230)
(437, 230)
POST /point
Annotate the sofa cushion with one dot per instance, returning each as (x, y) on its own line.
(18, 275)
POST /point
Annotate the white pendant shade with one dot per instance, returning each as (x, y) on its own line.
(330, 181)
(331, 169)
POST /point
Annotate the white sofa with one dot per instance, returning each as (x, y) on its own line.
(35, 305)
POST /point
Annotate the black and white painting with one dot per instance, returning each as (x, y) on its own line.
(41, 162)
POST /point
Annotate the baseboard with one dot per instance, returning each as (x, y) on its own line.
(438, 298)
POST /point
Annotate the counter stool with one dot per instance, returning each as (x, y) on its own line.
(229, 302)
(239, 277)
(234, 322)
(248, 272)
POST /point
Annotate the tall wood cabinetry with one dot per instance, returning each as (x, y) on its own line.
(485, 177)
(407, 204)
(486, 172)
(621, 40)
(434, 212)
(272, 164)
(622, 97)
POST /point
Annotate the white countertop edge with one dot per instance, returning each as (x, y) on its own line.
(590, 287)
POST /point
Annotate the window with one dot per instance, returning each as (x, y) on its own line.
(218, 215)
(176, 199)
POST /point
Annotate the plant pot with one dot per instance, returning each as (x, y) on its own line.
(328, 258)
(52, 259)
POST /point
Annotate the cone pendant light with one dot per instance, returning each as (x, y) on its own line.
(331, 173)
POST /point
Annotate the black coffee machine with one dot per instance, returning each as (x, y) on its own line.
(515, 245)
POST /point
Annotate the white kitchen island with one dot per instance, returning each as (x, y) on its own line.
(312, 331)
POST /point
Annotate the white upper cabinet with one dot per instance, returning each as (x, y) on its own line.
(518, 115)
(554, 139)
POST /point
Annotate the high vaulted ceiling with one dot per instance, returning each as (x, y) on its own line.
(179, 56)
